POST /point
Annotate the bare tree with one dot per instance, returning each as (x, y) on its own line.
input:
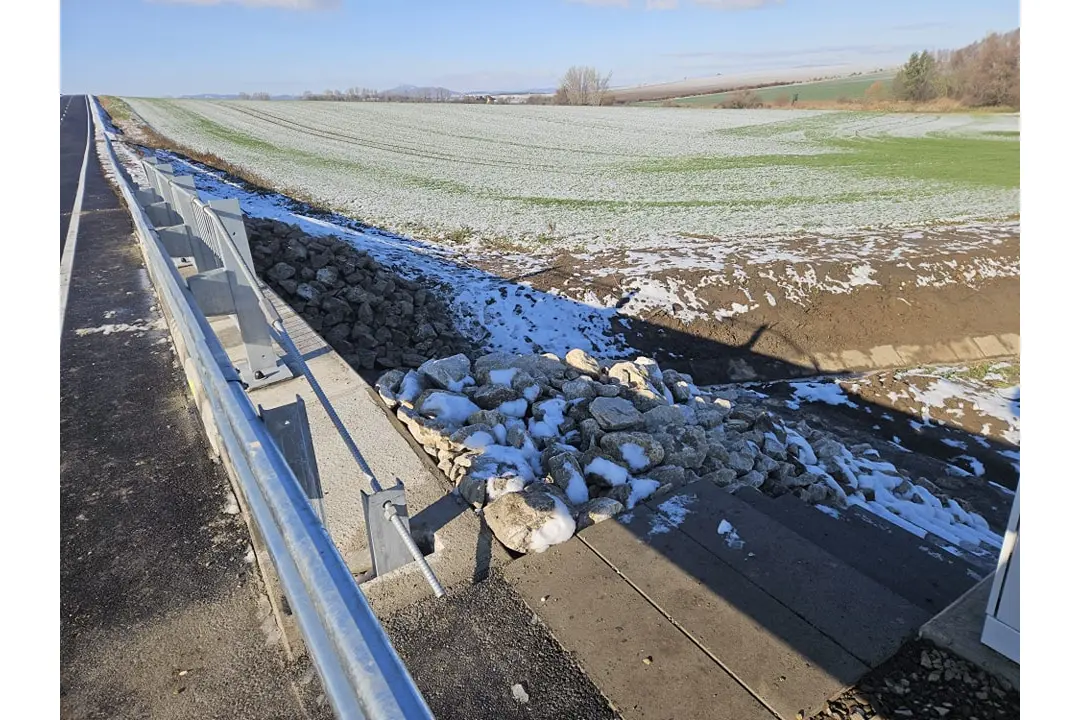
(583, 85)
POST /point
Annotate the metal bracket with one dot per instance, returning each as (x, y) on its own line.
(388, 549)
(288, 426)
(177, 241)
(213, 292)
(146, 196)
(161, 215)
(232, 218)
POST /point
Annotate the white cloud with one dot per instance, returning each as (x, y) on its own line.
(661, 4)
(284, 4)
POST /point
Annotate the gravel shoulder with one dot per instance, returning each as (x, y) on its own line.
(924, 681)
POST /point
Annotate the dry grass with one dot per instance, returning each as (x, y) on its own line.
(939, 105)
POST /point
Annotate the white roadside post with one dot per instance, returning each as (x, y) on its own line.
(1001, 630)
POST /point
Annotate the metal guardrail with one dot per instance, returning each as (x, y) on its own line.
(226, 284)
(362, 675)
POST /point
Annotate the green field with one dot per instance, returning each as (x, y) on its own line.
(849, 87)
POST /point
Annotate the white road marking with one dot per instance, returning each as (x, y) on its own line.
(73, 226)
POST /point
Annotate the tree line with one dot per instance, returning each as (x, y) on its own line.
(983, 74)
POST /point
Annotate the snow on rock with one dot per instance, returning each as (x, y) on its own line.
(503, 376)
(610, 472)
(447, 407)
(640, 489)
(530, 521)
(450, 373)
(514, 408)
(546, 447)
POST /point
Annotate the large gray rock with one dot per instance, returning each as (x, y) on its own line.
(598, 510)
(448, 373)
(662, 416)
(492, 361)
(490, 397)
(327, 276)
(615, 414)
(490, 418)
(472, 437)
(630, 374)
(645, 398)
(752, 479)
(668, 474)
(566, 474)
(387, 385)
(652, 371)
(308, 292)
(590, 433)
(281, 271)
(546, 365)
(774, 448)
(638, 451)
(604, 390)
(530, 521)
(685, 446)
(722, 477)
(473, 489)
(679, 384)
(740, 462)
(582, 388)
(709, 415)
(827, 448)
(427, 432)
(583, 362)
(765, 464)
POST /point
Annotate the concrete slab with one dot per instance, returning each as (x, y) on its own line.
(885, 356)
(919, 354)
(864, 618)
(881, 551)
(642, 663)
(463, 549)
(959, 628)
(1011, 341)
(966, 349)
(785, 661)
(856, 360)
(829, 362)
(990, 346)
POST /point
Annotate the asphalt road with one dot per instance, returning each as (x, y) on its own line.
(162, 611)
(72, 146)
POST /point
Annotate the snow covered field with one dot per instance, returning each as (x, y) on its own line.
(561, 177)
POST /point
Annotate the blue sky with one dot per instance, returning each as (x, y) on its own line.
(176, 47)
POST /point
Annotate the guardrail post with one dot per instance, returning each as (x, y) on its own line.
(288, 425)
(232, 218)
(178, 193)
